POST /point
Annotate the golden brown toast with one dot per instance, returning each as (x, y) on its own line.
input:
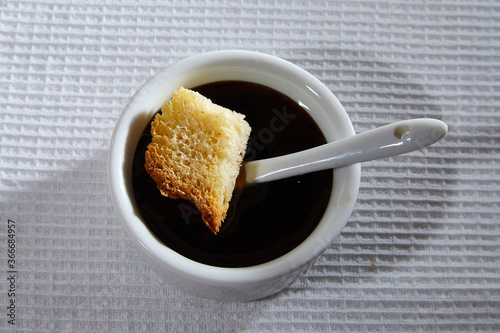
(196, 153)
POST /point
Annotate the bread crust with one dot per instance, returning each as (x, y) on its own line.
(196, 152)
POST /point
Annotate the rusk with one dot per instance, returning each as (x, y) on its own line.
(196, 151)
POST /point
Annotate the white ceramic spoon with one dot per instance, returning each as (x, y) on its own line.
(389, 140)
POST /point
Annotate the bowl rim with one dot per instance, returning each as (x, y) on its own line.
(344, 192)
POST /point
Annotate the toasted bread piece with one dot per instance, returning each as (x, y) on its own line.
(196, 152)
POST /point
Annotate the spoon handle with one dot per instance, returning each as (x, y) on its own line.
(389, 140)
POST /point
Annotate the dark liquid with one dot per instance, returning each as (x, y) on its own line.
(264, 221)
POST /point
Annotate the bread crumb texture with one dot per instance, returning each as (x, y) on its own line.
(196, 152)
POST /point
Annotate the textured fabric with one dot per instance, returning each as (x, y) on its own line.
(421, 251)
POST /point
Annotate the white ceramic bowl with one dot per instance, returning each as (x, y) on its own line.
(247, 283)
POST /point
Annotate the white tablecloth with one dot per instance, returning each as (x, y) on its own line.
(421, 251)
